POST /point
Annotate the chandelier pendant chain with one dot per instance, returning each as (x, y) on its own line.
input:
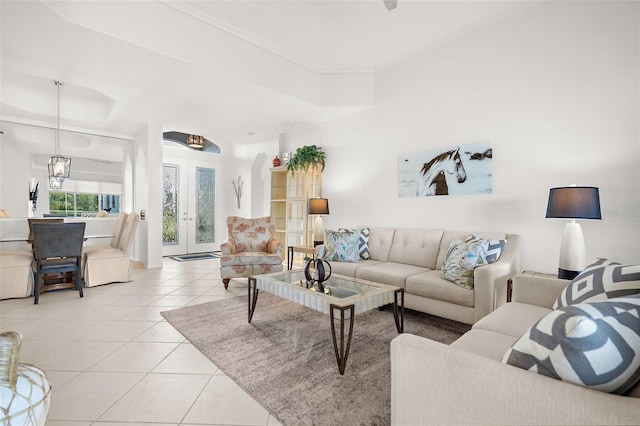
(58, 84)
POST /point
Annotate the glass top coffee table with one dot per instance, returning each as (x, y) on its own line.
(342, 295)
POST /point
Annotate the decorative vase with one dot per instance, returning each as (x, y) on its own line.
(322, 273)
(277, 162)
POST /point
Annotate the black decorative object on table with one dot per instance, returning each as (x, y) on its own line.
(321, 272)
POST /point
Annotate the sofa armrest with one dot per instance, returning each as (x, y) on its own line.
(490, 281)
(274, 246)
(432, 383)
(228, 247)
(537, 290)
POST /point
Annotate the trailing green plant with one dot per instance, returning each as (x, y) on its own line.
(305, 157)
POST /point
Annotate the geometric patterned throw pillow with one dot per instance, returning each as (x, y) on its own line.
(342, 246)
(496, 247)
(601, 280)
(363, 243)
(594, 344)
(462, 259)
(493, 252)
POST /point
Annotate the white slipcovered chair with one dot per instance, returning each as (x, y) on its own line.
(251, 249)
(110, 264)
(115, 240)
(16, 277)
(25, 392)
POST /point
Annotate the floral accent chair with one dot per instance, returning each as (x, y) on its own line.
(251, 249)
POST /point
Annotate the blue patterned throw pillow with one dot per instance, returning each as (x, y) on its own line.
(594, 344)
(363, 243)
(342, 246)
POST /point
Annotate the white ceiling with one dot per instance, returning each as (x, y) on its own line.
(350, 35)
(223, 69)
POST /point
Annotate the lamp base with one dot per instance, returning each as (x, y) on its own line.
(565, 274)
(318, 231)
(573, 258)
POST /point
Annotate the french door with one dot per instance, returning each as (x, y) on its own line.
(190, 212)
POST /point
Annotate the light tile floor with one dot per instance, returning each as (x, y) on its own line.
(113, 360)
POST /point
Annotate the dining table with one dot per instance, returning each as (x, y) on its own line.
(20, 237)
(50, 281)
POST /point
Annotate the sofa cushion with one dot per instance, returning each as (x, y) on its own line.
(512, 319)
(363, 243)
(462, 259)
(415, 247)
(430, 284)
(342, 246)
(594, 344)
(484, 342)
(449, 236)
(390, 273)
(380, 241)
(601, 280)
(348, 269)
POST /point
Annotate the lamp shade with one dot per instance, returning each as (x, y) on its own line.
(318, 206)
(574, 202)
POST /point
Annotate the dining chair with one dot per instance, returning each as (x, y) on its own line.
(112, 264)
(37, 220)
(115, 240)
(57, 249)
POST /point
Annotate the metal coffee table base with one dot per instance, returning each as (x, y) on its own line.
(342, 347)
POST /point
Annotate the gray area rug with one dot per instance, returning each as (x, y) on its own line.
(285, 357)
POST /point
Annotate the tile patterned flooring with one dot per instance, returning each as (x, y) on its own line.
(113, 360)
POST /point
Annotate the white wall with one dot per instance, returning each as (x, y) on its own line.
(555, 90)
(15, 179)
(148, 195)
(248, 161)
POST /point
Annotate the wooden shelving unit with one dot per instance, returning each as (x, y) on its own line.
(290, 193)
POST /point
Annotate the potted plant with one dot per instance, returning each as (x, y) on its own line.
(305, 157)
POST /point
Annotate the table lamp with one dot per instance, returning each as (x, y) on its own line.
(318, 206)
(573, 202)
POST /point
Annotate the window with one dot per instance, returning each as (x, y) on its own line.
(78, 204)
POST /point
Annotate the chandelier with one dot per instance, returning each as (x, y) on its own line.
(195, 141)
(59, 166)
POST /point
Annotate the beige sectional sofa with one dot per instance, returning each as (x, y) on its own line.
(465, 383)
(413, 258)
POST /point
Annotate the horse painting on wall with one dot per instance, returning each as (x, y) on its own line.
(465, 169)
